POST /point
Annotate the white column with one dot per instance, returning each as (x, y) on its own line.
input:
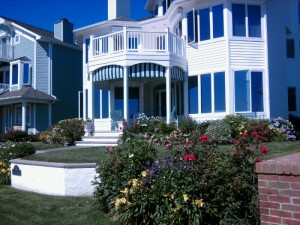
(24, 116)
(186, 94)
(91, 98)
(125, 92)
(160, 8)
(168, 94)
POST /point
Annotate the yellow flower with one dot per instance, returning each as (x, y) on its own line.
(134, 182)
(176, 209)
(185, 198)
(3, 170)
(125, 191)
(144, 173)
(1, 163)
(170, 196)
(199, 203)
(119, 202)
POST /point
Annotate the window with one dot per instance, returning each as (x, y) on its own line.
(218, 21)
(290, 48)
(133, 101)
(248, 91)
(292, 99)
(18, 115)
(206, 93)
(204, 24)
(26, 73)
(17, 39)
(178, 29)
(193, 94)
(15, 71)
(219, 92)
(87, 102)
(192, 26)
(87, 46)
(100, 104)
(246, 20)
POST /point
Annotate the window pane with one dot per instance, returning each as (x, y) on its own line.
(119, 103)
(26, 74)
(254, 20)
(1, 77)
(290, 48)
(133, 101)
(18, 115)
(87, 46)
(219, 87)
(28, 115)
(191, 19)
(242, 91)
(205, 93)
(15, 74)
(218, 24)
(96, 104)
(204, 24)
(238, 20)
(104, 104)
(257, 92)
(193, 94)
(292, 99)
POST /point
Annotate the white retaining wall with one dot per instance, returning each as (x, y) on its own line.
(66, 179)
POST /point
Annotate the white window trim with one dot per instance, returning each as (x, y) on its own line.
(17, 39)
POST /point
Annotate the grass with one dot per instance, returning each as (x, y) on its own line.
(85, 155)
(23, 208)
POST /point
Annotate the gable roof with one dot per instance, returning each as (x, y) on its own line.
(28, 93)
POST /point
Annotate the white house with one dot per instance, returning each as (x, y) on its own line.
(202, 58)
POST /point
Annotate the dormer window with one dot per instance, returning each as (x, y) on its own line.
(20, 74)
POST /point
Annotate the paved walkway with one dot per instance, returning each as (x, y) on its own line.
(59, 149)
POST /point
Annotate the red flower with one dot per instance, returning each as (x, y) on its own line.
(189, 157)
(187, 143)
(255, 134)
(236, 141)
(264, 149)
(203, 138)
(257, 160)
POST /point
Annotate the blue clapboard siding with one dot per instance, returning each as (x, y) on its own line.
(42, 115)
(66, 82)
(24, 48)
(42, 65)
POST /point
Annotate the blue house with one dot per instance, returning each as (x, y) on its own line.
(206, 59)
(40, 75)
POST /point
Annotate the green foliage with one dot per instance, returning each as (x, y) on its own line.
(282, 130)
(12, 151)
(125, 161)
(17, 136)
(187, 124)
(219, 132)
(64, 132)
(238, 124)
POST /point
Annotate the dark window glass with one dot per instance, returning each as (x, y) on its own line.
(87, 46)
(219, 89)
(1, 77)
(96, 104)
(254, 20)
(257, 92)
(292, 99)
(7, 77)
(133, 101)
(204, 24)
(218, 23)
(238, 20)
(242, 91)
(104, 104)
(15, 74)
(192, 26)
(86, 102)
(193, 94)
(290, 48)
(26, 74)
(206, 93)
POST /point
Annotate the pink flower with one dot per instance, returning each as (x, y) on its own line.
(236, 141)
(264, 149)
(187, 143)
(188, 157)
(255, 134)
(146, 136)
(203, 138)
(257, 160)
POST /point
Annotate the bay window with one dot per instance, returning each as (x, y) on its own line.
(192, 26)
(193, 94)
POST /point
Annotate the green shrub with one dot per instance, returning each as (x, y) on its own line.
(282, 130)
(219, 132)
(64, 132)
(238, 124)
(12, 151)
(15, 136)
(126, 161)
(187, 124)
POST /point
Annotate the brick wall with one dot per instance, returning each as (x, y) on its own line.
(279, 190)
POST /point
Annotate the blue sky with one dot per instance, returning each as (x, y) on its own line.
(43, 13)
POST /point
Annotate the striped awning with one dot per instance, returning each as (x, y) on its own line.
(141, 70)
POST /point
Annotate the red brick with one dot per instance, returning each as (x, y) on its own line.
(279, 168)
(262, 183)
(279, 185)
(289, 178)
(263, 197)
(281, 213)
(267, 177)
(292, 208)
(264, 211)
(295, 186)
(272, 169)
(296, 216)
(270, 219)
(296, 170)
(269, 191)
(291, 222)
(279, 199)
(287, 169)
(258, 168)
(296, 201)
(273, 205)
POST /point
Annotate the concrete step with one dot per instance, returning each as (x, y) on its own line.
(94, 144)
(100, 138)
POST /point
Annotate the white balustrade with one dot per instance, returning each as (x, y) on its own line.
(4, 87)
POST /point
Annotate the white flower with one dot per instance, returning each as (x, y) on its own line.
(131, 155)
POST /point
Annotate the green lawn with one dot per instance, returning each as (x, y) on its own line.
(26, 208)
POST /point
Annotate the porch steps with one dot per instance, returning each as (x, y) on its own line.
(100, 138)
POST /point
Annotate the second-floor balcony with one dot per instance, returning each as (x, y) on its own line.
(6, 52)
(137, 42)
(4, 87)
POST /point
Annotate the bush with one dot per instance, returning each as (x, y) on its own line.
(12, 151)
(64, 132)
(219, 132)
(283, 130)
(187, 124)
(238, 124)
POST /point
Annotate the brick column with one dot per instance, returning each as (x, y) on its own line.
(279, 190)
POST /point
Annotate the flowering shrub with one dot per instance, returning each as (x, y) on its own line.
(219, 132)
(187, 124)
(17, 136)
(64, 132)
(12, 151)
(283, 130)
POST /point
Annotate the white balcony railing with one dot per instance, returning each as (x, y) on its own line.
(138, 41)
(6, 51)
(4, 87)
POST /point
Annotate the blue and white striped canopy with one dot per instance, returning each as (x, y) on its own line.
(142, 70)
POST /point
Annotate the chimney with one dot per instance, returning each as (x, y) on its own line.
(63, 31)
(118, 8)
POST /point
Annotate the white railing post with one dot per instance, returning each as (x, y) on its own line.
(125, 38)
(91, 50)
(167, 41)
